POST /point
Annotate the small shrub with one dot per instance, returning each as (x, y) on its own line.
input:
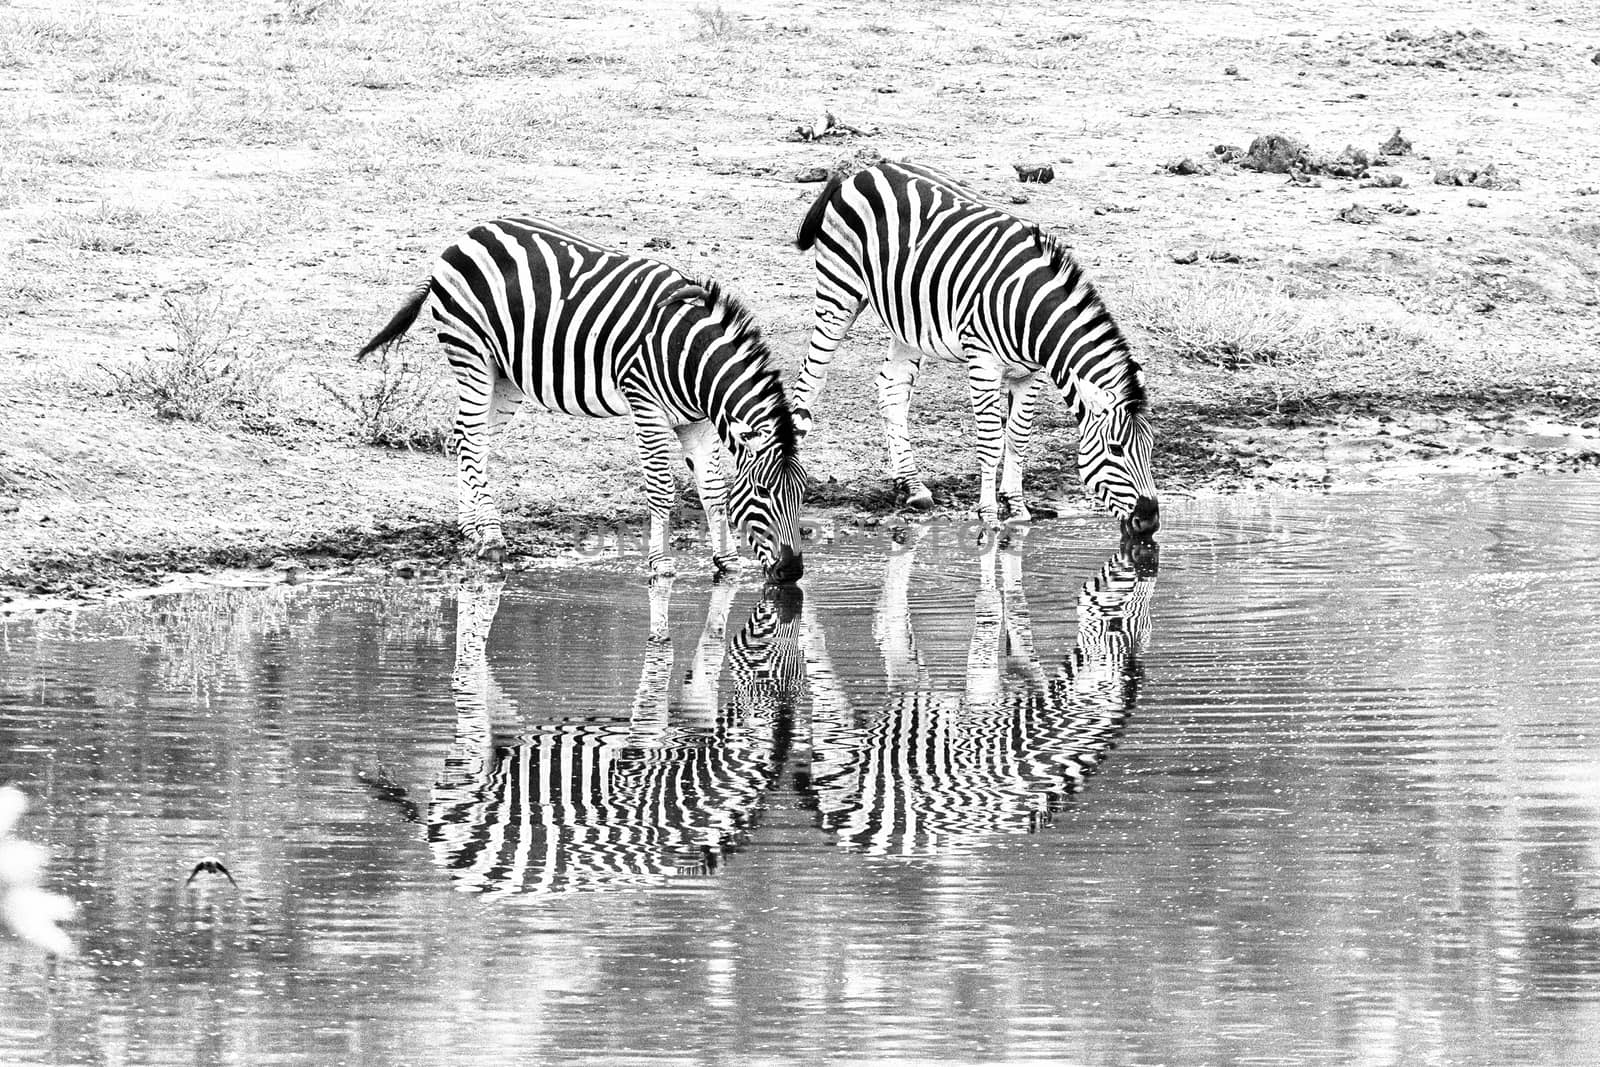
(400, 408)
(205, 371)
(303, 11)
(713, 23)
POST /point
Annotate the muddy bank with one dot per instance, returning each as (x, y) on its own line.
(1337, 443)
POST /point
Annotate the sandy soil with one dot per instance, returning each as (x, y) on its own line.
(307, 168)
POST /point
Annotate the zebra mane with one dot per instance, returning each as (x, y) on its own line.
(1059, 255)
(742, 329)
(1065, 267)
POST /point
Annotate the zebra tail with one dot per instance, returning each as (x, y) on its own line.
(812, 226)
(401, 322)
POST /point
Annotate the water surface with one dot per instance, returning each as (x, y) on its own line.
(1322, 785)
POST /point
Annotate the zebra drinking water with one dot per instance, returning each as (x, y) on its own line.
(526, 309)
(538, 801)
(961, 280)
(936, 770)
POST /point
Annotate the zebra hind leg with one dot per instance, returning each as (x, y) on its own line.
(655, 455)
(476, 380)
(834, 313)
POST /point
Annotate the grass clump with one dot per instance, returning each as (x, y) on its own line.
(1223, 322)
(206, 372)
(399, 407)
(109, 229)
(1289, 349)
(712, 23)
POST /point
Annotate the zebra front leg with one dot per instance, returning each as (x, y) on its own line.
(988, 410)
(701, 451)
(475, 392)
(835, 311)
(896, 380)
(660, 488)
(1023, 393)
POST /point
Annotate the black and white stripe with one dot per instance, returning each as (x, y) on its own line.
(526, 309)
(590, 803)
(936, 770)
(958, 279)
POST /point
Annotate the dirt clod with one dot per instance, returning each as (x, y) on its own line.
(1191, 256)
(1274, 153)
(1359, 214)
(1477, 203)
(1185, 167)
(1042, 173)
(812, 174)
(1478, 175)
(1383, 181)
(1396, 145)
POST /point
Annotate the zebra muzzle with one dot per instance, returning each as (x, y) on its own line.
(787, 567)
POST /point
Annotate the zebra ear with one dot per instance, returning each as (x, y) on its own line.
(1093, 396)
(743, 433)
(687, 293)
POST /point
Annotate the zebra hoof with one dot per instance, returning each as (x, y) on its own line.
(663, 570)
(491, 553)
(1016, 511)
(920, 500)
(723, 566)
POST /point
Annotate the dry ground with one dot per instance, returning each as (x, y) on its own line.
(253, 185)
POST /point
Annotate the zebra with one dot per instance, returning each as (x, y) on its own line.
(958, 279)
(595, 803)
(938, 770)
(527, 309)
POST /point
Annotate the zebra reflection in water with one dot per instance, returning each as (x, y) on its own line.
(937, 770)
(588, 803)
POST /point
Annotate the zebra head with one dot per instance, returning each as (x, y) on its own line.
(1114, 441)
(727, 378)
(768, 487)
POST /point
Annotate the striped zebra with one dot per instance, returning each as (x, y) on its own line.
(526, 309)
(938, 769)
(572, 804)
(960, 280)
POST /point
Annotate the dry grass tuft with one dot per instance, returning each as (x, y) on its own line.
(712, 23)
(207, 372)
(1222, 322)
(1291, 348)
(401, 406)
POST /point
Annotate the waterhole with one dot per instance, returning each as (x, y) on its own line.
(1316, 782)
